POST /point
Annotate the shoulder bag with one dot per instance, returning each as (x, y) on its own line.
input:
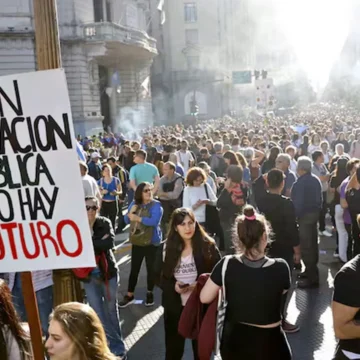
(140, 234)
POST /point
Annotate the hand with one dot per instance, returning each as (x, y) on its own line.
(133, 209)
(104, 191)
(206, 201)
(113, 193)
(297, 257)
(197, 204)
(181, 291)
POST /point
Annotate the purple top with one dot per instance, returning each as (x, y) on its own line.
(347, 218)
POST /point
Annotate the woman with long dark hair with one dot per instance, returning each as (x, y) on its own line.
(14, 341)
(231, 158)
(270, 162)
(254, 286)
(187, 253)
(144, 215)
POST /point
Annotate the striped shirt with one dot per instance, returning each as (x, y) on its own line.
(41, 279)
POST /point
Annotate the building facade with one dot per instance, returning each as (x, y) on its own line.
(201, 43)
(106, 53)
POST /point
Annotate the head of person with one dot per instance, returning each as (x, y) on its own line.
(291, 150)
(76, 332)
(218, 147)
(135, 146)
(252, 233)
(169, 169)
(341, 136)
(143, 193)
(275, 179)
(204, 153)
(234, 174)
(209, 145)
(339, 149)
(140, 156)
(306, 140)
(351, 166)
(195, 177)
(112, 162)
(184, 145)
(274, 152)
(95, 157)
(204, 165)
(282, 162)
(83, 168)
(92, 207)
(315, 139)
(341, 168)
(324, 145)
(241, 159)
(231, 158)
(106, 170)
(318, 157)
(10, 320)
(184, 228)
(304, 165)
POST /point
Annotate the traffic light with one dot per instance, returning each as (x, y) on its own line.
(256, 74)
(264, 74)
(194, 108)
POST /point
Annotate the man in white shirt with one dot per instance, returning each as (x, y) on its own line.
(89, 183)
(185, 157)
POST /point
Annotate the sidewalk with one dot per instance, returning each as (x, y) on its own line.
(143, 327)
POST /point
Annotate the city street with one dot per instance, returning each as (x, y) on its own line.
(143, 327)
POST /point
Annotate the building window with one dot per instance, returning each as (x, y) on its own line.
(98, 11)
(193, 62)
(191, 36)
(190, 12)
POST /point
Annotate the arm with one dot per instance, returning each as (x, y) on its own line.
(259, 157)
(186, 198)
(156, 213)
(107, 241)
(126, 217)
(209, 292)
(344, 325)
(297, 196)
(156, 184)
(178, 188)
(132, 178)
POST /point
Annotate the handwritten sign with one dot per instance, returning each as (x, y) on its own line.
(43, 220)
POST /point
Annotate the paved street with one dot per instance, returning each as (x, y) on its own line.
(143, 327)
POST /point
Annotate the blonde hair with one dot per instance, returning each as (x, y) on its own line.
(84, 328)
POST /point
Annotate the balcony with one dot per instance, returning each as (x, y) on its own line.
(119, 41)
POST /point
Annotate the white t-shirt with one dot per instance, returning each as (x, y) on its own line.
(90, 186)
(184, 158)
(293, 165)
(191, 196)
(187, 273)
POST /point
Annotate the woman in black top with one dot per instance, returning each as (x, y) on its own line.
(187, 253)
(270, 162)
(254, 286)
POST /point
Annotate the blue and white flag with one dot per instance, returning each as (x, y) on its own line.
(80, 151)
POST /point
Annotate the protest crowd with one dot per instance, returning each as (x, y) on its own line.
(228, 214)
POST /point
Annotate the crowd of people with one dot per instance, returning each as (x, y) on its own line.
(245, 200)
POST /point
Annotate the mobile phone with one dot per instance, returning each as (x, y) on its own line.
(183, 286)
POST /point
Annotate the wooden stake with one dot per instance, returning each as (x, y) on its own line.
(32, 312)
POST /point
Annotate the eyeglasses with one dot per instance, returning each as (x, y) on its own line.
(146, 190)
(94, 208)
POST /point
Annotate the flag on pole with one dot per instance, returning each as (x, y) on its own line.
(80, 151)
(160, 7)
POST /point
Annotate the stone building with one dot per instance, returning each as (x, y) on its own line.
(106, 53)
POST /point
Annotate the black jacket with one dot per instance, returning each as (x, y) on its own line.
(104, 241)
(280, 212)
(171, 300)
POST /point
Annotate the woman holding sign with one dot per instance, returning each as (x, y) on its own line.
(110, 188)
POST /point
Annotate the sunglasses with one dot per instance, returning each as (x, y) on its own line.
(146, 191)
(88, 208)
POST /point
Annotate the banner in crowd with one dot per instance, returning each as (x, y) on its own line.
(43, 220)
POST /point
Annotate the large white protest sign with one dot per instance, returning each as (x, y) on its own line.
(43, 220)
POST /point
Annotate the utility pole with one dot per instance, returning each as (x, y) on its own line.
(48, 55)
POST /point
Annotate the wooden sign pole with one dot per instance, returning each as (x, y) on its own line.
(32, 312)
(48, 57)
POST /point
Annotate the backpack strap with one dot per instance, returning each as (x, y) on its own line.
(223, 273)
(206, 191)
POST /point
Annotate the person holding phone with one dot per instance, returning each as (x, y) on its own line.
(110, 189)
(187, 253)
